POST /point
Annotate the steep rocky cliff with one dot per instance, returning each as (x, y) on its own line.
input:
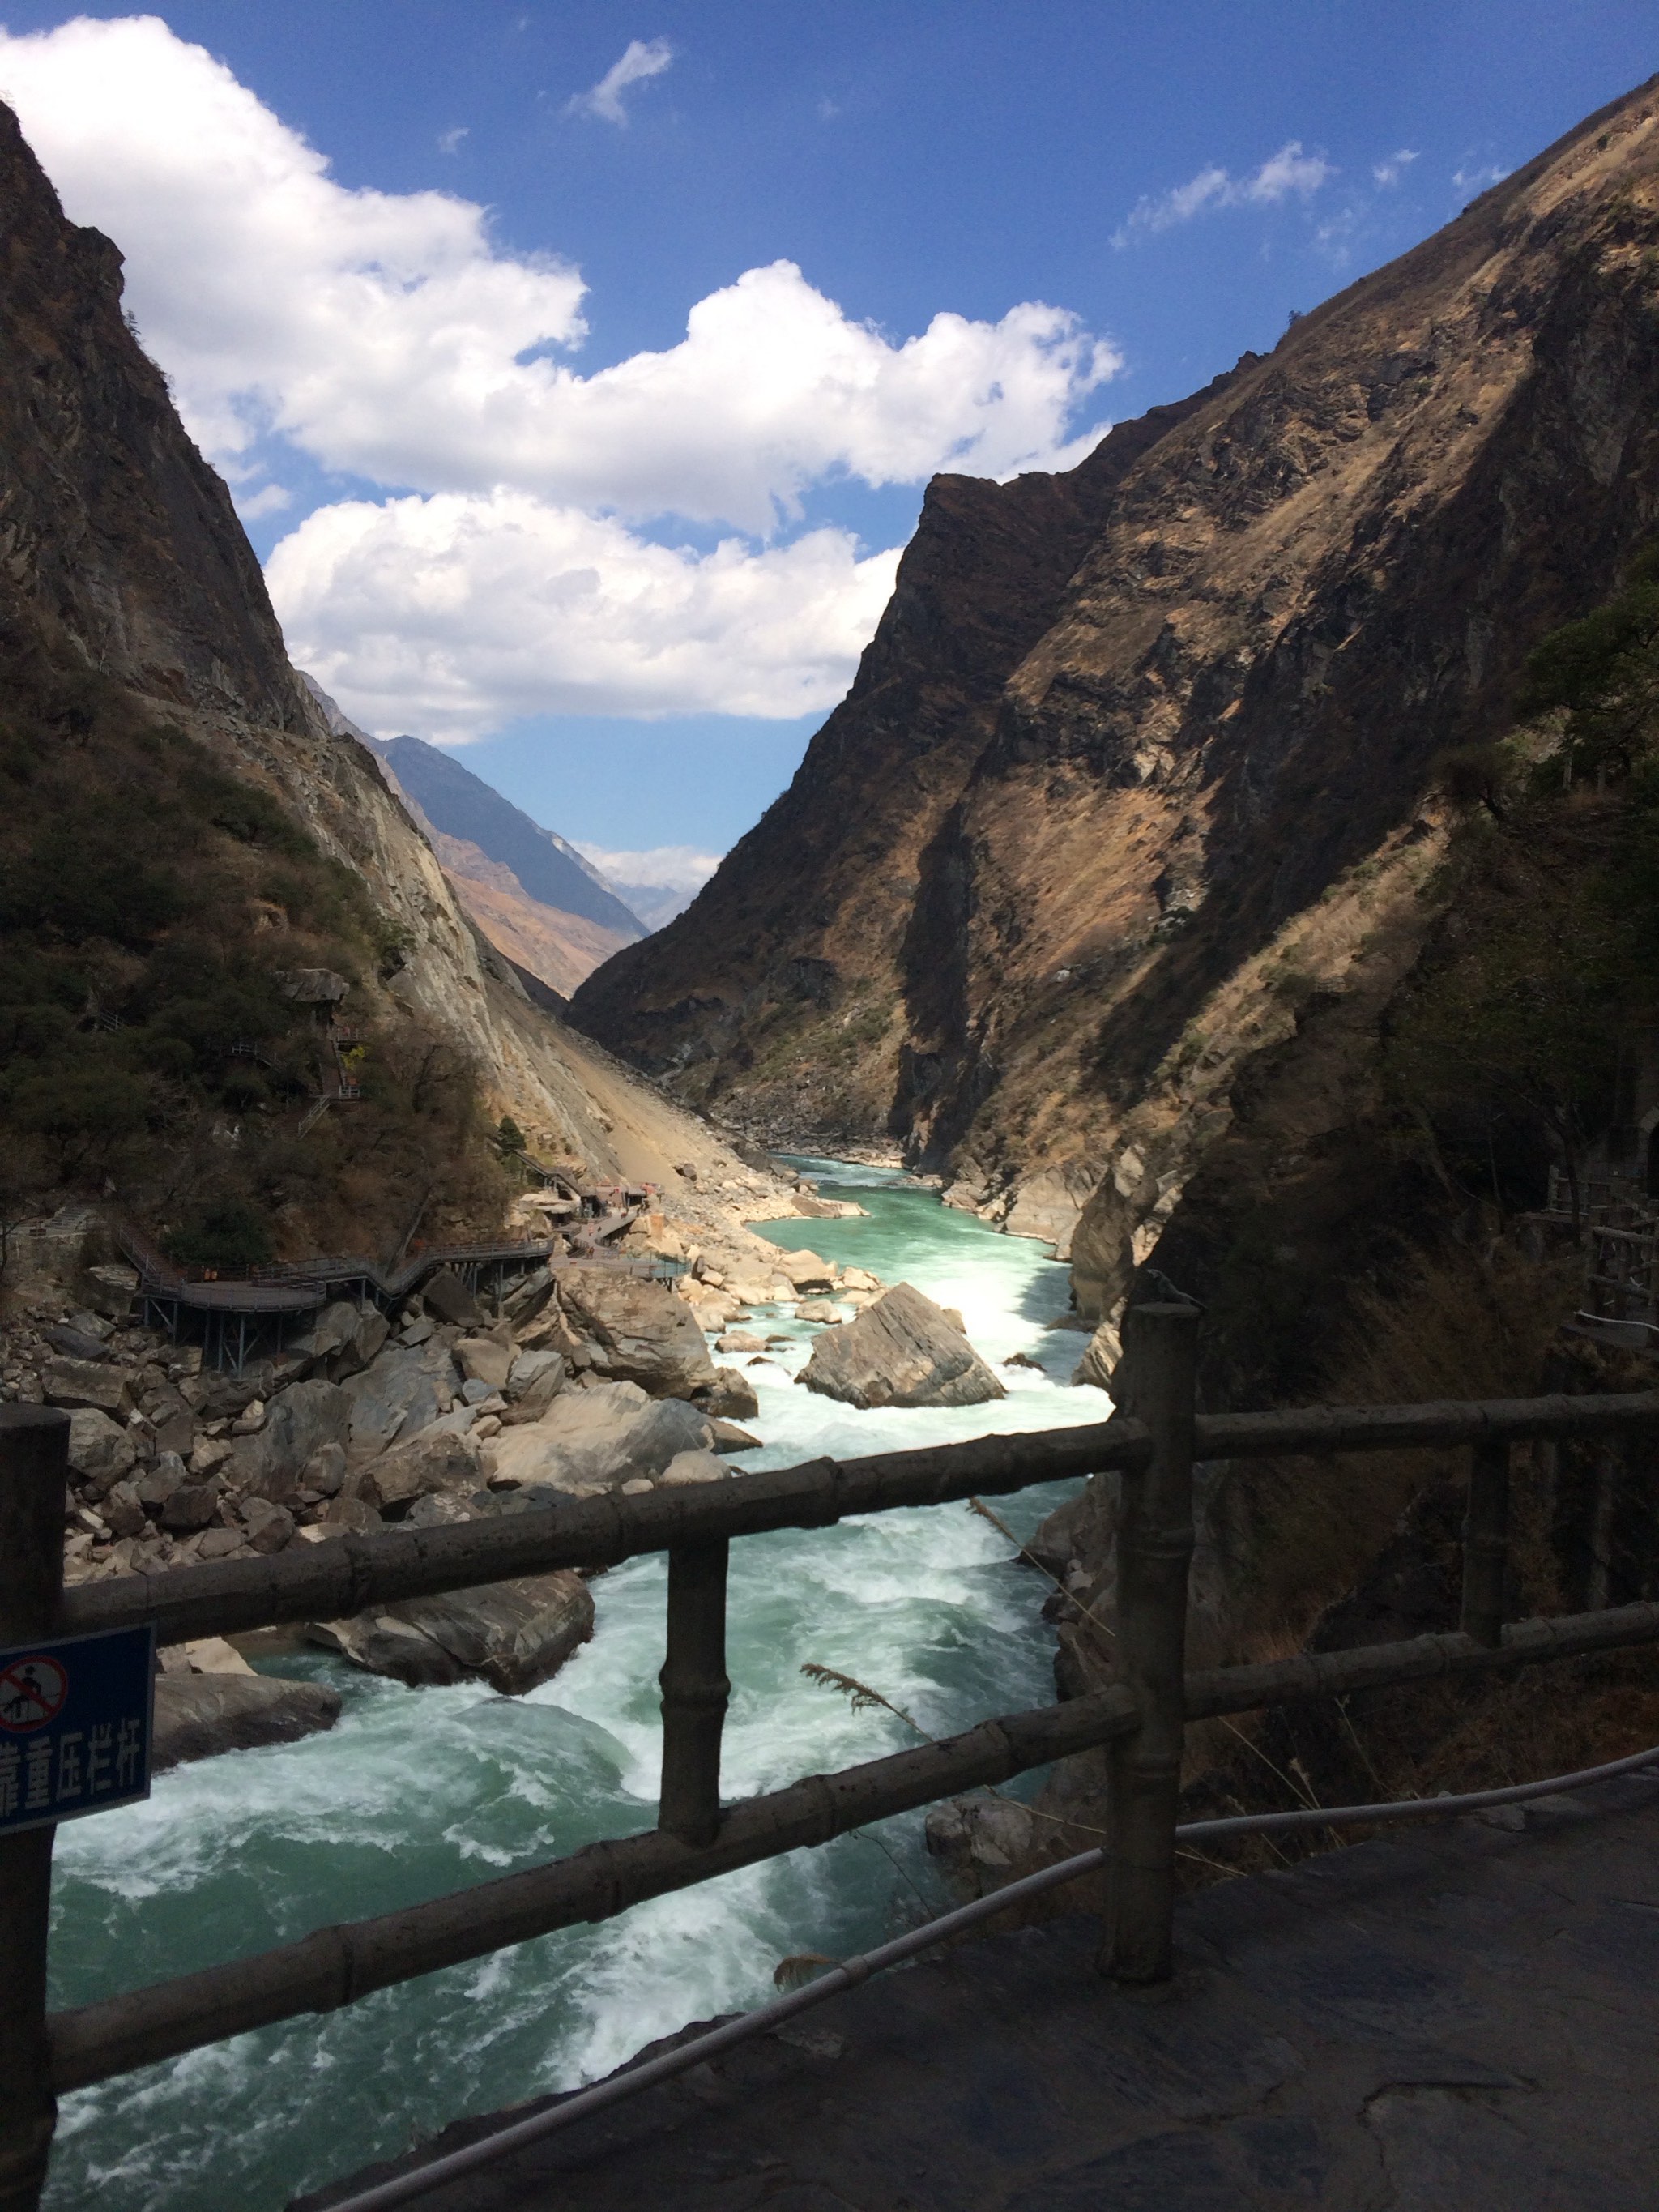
(137, 640)
(1131, 793)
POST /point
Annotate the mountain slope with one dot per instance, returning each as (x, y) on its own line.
(1034, 909)
(218, 839)
(533, 895)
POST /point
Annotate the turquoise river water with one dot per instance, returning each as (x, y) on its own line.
(420, 1791)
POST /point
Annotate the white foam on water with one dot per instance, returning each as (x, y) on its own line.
(417, 1792)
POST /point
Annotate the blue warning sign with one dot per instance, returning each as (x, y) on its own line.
(75, 1726)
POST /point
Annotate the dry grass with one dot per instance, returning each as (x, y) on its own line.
(1460, 1324)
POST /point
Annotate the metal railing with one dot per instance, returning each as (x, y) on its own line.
(1140, 1719)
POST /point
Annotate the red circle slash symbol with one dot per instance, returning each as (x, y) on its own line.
(32, 1692)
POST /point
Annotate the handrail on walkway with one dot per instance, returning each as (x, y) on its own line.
(1140, 1719)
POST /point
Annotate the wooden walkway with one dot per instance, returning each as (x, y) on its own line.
(1459, 2019)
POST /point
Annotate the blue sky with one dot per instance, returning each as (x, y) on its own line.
(479, 535)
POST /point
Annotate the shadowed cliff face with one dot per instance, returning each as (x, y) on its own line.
(122, 560)
(1085, 857)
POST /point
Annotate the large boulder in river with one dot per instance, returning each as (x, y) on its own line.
(198, 1715)
(598, 1438)
(640, 1332)
(903, 1351)
(514, 1634)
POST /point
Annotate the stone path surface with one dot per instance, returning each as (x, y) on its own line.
(1456, 2020)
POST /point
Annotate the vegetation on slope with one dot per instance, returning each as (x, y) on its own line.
(151, 905)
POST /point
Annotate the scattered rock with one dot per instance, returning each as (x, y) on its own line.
(160, 1481)
(729, 1437)
(819, 1309)
(445, 1295)
(807, 1272)
(300, 1420)
(642, 1331)
(101, 1451)
(401, 1391)
(1024, 1359)
(731, 1396)
(269, 1527)
(483, 1360)
(688, 1467)
(345, 1338)
(599, 1436)
(75, 1343)
(110, 1289)
(436, 1459)
(191, 1505)
(92, 1384)
(123, 1509)
(738, 1340)
(514, 1634)
(198, 1715)
(903, 1351)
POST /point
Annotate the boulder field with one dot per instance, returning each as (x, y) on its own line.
(580, 1379)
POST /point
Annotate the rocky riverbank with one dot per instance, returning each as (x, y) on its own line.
(579, 1378)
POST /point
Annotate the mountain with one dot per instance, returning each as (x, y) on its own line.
(535, 897)
(561, 930)
(192, 860)
(1137, 776)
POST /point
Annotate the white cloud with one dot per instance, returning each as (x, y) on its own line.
(640, 58)
(675, 867)
(386, 335)
(1287, 171)
(274, 297)
(268, 499)
(453, 614)
(1470, 180)
(392, 337)
(449, 141)
(1391, 172)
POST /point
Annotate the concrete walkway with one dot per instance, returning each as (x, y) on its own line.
(1462, 2020)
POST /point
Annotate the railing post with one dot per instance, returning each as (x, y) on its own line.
(1154, 1553)
(1486, 1543)
(695, 1690)
(33, 1472)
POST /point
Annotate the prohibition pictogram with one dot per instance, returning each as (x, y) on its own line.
(31, 1693)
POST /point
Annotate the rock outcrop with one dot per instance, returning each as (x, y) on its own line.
(639, 1331)
(1133, 783)
(511, 1635)
(199, 1716)
(903, 1351)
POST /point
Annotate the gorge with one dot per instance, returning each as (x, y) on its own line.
(1161, 898)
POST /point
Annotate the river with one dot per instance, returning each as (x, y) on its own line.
(416, 1792)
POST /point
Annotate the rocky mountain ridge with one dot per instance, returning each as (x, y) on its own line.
(1133, 789)
(533, 895)
(128, 591)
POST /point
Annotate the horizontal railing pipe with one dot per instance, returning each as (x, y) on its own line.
(347, 1574)
(335, 1966)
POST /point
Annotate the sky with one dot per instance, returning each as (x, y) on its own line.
(578, 369)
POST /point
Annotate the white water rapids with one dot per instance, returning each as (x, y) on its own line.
(416, 1792)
